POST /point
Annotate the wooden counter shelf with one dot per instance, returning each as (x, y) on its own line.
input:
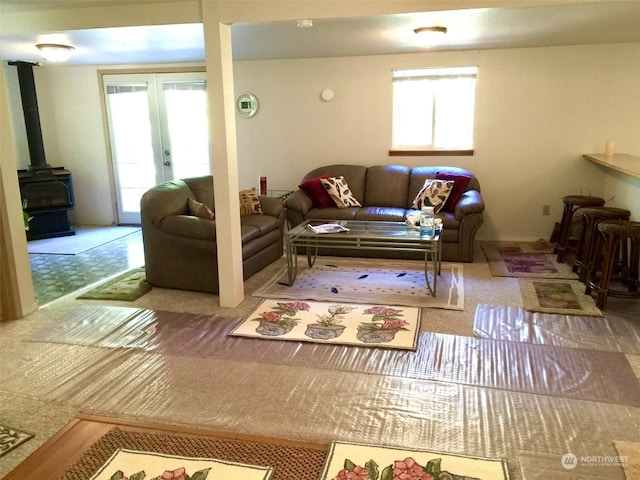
(621, 162)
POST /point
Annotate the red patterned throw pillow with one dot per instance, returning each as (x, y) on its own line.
(459, 187)
(316, 191)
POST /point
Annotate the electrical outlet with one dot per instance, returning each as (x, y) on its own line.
(546, 210)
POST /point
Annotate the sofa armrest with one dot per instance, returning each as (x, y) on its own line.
(298, 205)
(271, 206)
(470, 202)
(189, 227)
(299, 201)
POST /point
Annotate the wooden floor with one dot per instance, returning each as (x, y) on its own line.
(55, 456)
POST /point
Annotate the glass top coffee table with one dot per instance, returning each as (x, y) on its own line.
(374, 235)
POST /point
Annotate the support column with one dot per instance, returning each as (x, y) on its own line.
(219, 65)
(16, 286)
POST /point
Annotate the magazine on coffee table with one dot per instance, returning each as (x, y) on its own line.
(327, 228)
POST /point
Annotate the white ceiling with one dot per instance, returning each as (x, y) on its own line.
(607, 21)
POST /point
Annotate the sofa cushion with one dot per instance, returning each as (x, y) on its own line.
(200, 210)
(249, 202)
(340, 192)
(316, 192)
(333, 213)
(434, 193)
(263, 223)
(383, 214)
(387, 186)
(459, 187)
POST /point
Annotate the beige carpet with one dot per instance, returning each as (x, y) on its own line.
(389, 282)
(314, 404)
(558, 296)
(86, 238)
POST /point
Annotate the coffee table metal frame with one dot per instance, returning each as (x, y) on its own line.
(370, 235)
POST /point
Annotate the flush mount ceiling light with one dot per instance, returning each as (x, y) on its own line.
(55, 52)
(430, 36)
(305, 23)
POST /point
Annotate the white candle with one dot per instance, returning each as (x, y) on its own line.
(608, 149)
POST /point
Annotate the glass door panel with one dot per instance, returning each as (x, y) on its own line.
(131, 145)
(185, 130)
(158, 129)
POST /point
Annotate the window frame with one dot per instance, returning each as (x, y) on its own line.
(406, 74)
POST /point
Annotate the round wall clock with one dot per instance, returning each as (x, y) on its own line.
(246, 105)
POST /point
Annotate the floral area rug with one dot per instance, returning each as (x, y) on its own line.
(131, 464)
(557, 296)
(336, 323)
(288, 459)
(11, 438)
(128, 286)
(349, 460)
(387, 282)
(525, 260)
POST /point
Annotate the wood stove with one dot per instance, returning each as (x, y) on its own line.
(46, 191)
(47, 196)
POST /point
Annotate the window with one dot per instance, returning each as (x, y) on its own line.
(433, 108)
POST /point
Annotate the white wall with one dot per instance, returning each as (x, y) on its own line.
(538, 111)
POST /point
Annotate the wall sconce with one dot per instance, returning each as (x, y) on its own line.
(55, 52)
(430, 36)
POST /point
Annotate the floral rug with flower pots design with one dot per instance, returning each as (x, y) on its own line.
(336, 323)
(127, 464)
(348, 460)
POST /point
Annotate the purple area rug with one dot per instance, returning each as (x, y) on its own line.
(521, 260)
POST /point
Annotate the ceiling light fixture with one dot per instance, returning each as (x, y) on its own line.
(55, 52)
(305, 23)
(430, 36)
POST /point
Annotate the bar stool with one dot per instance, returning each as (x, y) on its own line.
(591, 217)
(613, 236)
(571, 203)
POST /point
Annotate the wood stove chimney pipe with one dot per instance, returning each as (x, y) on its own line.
(31, 114)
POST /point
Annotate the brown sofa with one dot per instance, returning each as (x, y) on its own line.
(386, 193)
(180, 249)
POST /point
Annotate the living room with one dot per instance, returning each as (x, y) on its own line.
(539, 109)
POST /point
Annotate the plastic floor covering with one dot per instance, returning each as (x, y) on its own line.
(528, 403)
(514, 366)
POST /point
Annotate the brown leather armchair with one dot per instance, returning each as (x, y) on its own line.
(180, 249)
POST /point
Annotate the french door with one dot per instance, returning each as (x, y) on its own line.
(158, 130)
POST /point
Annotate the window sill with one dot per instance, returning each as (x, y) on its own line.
(431, 153)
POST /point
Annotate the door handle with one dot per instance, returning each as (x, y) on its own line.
(166, 163)
(167, 153)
